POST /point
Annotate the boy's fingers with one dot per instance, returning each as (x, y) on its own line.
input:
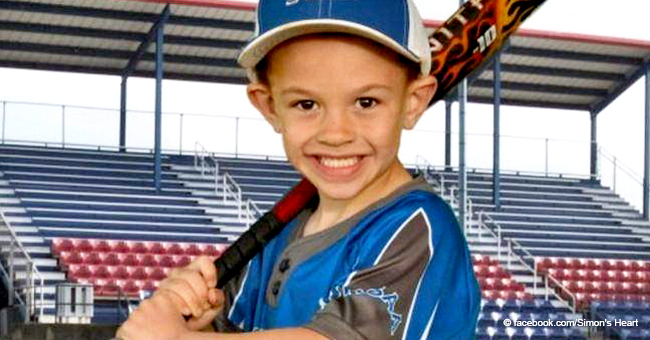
(198, 285)
(204, 320)
(184, 289)
(179, 303)
(216, 297)
(205, 266)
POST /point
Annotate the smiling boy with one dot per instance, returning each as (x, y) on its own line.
(379, 255)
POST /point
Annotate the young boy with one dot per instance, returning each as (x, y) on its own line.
(379, 256)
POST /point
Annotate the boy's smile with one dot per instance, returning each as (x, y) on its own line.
(341, 103)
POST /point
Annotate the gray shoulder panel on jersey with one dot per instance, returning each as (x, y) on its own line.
(302, 248)
(377, 301)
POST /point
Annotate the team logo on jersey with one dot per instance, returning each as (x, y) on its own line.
(376, 293)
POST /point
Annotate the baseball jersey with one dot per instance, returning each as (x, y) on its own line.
(399, 269)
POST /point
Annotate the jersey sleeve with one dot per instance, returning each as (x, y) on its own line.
(415, 282)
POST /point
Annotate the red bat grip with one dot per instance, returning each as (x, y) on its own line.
(250, 243)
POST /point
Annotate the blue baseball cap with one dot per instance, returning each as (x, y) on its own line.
(395, 24)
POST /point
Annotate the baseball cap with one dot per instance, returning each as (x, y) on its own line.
(395, 24)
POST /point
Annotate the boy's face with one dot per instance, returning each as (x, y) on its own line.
(341, 104)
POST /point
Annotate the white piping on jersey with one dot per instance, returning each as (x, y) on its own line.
(399, 230)
(417, 290)
(425, 334)
(241, 289)
(353, 274)
(347, 282)
(392, 238)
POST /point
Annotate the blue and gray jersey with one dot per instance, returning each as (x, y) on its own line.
(399, 269)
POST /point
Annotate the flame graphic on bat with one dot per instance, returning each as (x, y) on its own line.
(471, 36)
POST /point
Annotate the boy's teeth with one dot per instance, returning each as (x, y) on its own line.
(338, 162)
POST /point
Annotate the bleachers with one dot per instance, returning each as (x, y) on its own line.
(113, 230)
(92, 194)
(559, 216)
(49, 193)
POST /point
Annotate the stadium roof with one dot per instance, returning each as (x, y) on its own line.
(203, 39)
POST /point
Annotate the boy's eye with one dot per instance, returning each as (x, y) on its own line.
(306, 105)
(366, 103)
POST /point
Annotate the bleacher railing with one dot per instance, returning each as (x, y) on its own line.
(613, 172)
(202, 159)
(424, 167)
(208, 165)
(30, 289)
(232, 189)
(513, 247)
(253, 212)
(550, 290)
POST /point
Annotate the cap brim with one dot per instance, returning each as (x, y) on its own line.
(258, 48)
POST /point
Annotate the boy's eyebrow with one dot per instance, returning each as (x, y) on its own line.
(370, 87)
(294, 90)
(366, 88)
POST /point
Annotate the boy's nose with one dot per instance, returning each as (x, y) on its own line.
(336, 128)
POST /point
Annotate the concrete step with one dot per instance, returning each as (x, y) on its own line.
(7, 191)
(49, 276)
(637, 223)
(24, 230)
(28, 249)
(19, 219)
(40, 262)
(23, 239)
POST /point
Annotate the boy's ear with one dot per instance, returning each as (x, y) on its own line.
(420, 93)
(260, 96)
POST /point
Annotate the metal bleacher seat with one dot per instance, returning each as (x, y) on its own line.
(595, 280)
(130, 265)
(134, 247)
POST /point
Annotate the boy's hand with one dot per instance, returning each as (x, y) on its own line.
(192, 289)
(156, 318)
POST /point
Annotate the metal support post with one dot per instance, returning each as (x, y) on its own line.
(462, 171)
(448, 104)
(646, 163)
(156, 32)
(158, 120)
(594, 147)
(496, 145)
(123, 114)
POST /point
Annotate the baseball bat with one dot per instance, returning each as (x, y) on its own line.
(460, 46)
